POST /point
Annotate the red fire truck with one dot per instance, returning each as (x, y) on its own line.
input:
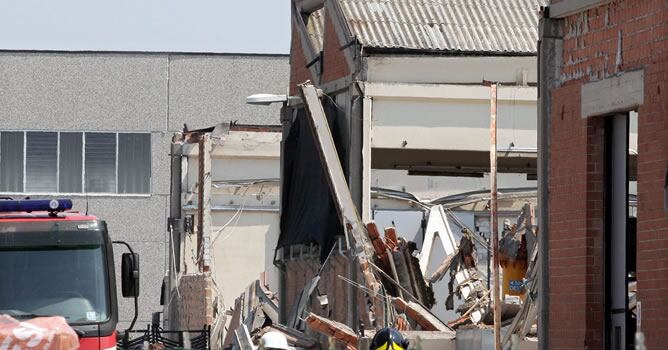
(57, 262)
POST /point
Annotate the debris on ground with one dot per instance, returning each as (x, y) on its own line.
(48, 333)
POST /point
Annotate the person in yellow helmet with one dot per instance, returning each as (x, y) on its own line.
(388, 339)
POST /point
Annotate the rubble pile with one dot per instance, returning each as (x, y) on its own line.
(393, 277)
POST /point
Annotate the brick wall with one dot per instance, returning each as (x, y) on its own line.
(335, 64)
(576, 224)
(333, 59)
(196, 302)
(299, 73)
(600, 43)
(301, 271)
(652, 267)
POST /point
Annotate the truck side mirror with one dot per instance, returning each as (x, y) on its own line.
(130, 275)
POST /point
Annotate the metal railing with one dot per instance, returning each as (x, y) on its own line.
(154, 337)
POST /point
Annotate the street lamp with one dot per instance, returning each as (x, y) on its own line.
(266, 99)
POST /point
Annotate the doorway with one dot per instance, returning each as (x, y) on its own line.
(620, 152)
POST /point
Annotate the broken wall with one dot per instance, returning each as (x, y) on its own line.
(195, 305)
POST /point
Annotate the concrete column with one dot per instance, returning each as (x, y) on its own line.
(549, 67)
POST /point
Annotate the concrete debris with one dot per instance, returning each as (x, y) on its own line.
(242, 339)
(471, 287)
(336, 330)
(407, 295)
(440, 271)
(395, 256)
(425, 319)
(296, 315)
(394, 274)
(256, 313)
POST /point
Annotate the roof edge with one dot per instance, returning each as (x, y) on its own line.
(371, 50)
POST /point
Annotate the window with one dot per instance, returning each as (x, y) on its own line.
(100, 162)
(75, 162)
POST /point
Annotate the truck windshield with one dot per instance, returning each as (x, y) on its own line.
(66, 281)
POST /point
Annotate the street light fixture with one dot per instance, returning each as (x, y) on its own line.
(268, 99)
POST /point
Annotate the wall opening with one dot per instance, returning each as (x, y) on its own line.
(620, 229)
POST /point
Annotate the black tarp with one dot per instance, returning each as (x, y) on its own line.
(308, 212)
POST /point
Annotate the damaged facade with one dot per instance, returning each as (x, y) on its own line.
(402, 98)
(224, 222)
(604, 117)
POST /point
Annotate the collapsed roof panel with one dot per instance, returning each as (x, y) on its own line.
(315, 27)
(471, 26)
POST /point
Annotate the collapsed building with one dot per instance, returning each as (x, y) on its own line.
(399, 98)
(400, 101)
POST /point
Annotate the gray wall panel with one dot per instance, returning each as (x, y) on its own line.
(205, 91)
(49, 91)
(160, 162)
(151, 276)
(129, 92)
(138, 219)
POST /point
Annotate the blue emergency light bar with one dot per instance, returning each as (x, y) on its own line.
(52, 205)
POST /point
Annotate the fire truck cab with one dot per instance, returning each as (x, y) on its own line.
(57, 262)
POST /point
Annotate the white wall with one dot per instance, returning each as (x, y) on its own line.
(443, 69)
(245, 218)
(461, 124)
(440, 104)
(431, 187)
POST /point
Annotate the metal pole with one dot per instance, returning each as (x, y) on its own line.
(200, 203)
(494, 220)
(489, 260)
(176, 226)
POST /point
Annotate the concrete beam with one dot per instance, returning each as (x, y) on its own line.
(451, 162)
(570, 7)
(616, 94)
(449, 91)
(309, 6)
(242, 144)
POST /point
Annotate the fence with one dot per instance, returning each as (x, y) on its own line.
(154, 337)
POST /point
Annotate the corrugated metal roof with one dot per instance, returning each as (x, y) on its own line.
(485, 26)
(315, 28)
